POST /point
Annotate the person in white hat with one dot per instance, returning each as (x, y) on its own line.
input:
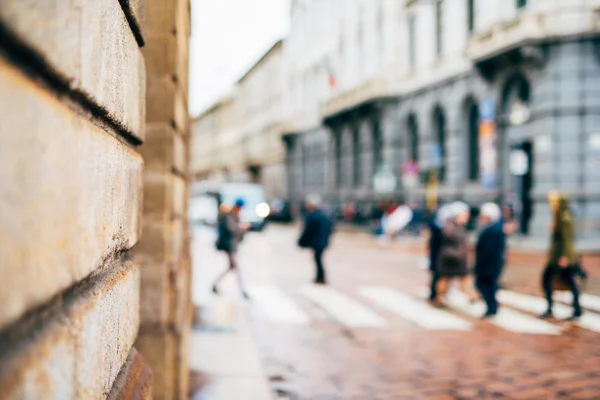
(489, 256)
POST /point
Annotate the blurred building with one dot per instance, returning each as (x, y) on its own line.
(500, 98)
(239, 139)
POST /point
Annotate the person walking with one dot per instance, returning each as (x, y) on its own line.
(229, 236)
(489, 256)
(562, 257)
(452, 260)
(435, 223)
(316, 234)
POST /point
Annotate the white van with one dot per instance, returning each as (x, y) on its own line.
(256, 208)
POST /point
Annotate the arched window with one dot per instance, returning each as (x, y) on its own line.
(472, 124)
(413, 138)
(357, 156)
(471, 15)
(338, 159)
(377, 146)
(439, 123)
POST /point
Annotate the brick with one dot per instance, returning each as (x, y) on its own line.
(134, 381)
(77, 352)
(92, 46)
(159, 348)
(74, 197)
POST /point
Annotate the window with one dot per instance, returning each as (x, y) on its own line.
(357, 156)
(377, 147)
(473, 132)
(521, 4)
(439, 48)
(471, 15)
(440, 129)
(412, 46)
(305, 178)
(338, 160)
(413, 134)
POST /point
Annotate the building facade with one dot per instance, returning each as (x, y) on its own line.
(244, 130)
(497, 97)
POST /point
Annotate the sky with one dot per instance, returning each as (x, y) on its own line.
(228, 37)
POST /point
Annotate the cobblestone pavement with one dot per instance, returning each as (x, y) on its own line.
(370, 335)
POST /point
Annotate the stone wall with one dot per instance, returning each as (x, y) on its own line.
(76, 153)
(163, 251)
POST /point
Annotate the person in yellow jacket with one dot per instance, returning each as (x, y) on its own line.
(562, 256)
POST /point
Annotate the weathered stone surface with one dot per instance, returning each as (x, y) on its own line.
(92, 45)
(161, 17)
(159, 348)
(134, 382)
(164, 195)
(78, 351)
(135, 11)
(164, 149)
(74, 195)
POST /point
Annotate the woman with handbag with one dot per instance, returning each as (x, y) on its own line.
(452, 258)
(229, 236)
(563, 263)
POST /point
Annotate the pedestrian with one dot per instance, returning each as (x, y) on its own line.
(563, 262)
(435, 223)
(452, 260)
(489, 256)
(316, 234)
(229, 236)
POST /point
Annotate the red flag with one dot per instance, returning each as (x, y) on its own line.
(331, 74)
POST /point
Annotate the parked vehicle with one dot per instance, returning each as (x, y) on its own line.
(256, 209)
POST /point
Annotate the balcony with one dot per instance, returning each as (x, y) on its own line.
(373, 89)
(529, 28)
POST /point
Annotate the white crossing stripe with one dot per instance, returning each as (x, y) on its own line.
(506, 318)
(588, 301)
(414, 310)
(343, 308)
(274, 306)
(538, 305)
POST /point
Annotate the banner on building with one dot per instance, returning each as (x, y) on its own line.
(488, 146)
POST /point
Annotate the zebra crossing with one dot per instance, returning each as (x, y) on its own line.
(365, 307)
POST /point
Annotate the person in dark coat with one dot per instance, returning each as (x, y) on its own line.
(436, 222)
(489, 256)
(452, 261)
(316, 234)
(229, 236)
(563, 262)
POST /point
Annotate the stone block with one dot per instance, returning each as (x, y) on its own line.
(159, 348)
(164, 195)
(160, 18)
(134, 381)
(77, 351)
(161, 55)
(92, 46)
(74, 196)
(164, 149)
(135, 11)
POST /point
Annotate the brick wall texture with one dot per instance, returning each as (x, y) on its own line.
(94, 247)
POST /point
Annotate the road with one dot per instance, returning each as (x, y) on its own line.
(370, 335)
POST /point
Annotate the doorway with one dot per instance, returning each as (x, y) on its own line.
(523, 187)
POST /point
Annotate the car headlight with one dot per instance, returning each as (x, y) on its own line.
(263, 210)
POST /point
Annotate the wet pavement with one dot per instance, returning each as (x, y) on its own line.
(370, 335)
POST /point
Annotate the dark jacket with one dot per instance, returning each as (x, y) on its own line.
(563, 235)
(229, 233)
(435, 242)
(317, 230)
(489, 252)
(452, 261)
